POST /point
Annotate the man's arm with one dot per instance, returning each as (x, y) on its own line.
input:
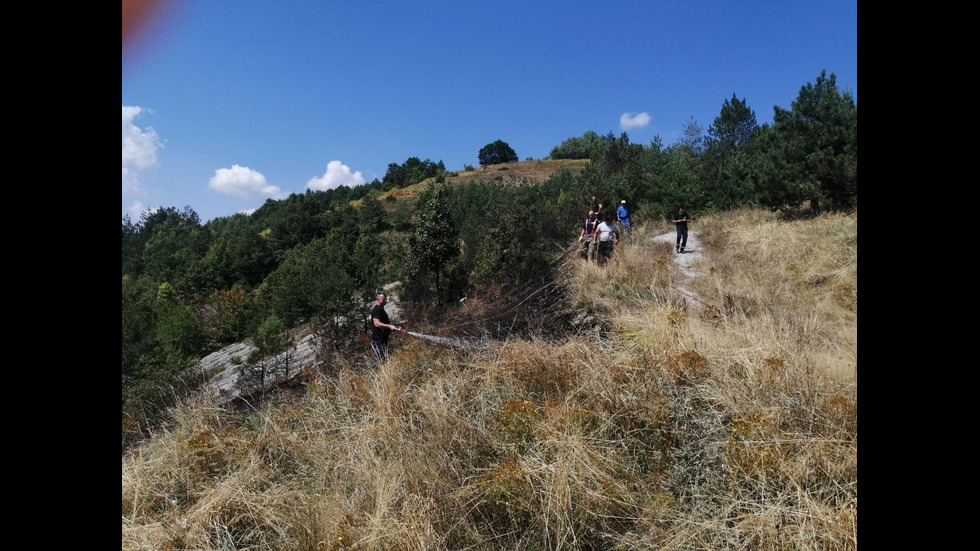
(381, 325)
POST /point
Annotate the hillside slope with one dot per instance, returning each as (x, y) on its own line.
(230, 371)
(504, 174)
(732, 425)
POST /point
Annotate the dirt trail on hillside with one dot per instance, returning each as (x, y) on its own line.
(687, 261)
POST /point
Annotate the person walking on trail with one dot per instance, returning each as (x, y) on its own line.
(680, 219)
(587, 236)
(624, 215)
(381, 329)
(608, 235)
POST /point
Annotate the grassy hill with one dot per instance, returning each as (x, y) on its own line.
(507, 173)
(717, 411)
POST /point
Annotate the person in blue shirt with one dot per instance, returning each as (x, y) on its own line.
(624, 215)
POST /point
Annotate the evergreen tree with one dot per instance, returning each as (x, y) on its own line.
(812, 149)
(372, 217)
(724, 163)
(434, 243)
(174, 241)
(590, 144)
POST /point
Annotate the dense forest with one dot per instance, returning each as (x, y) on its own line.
(318, 258)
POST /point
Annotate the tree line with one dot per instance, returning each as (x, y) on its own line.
(190, 288)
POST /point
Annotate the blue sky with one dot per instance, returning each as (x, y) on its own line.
(228, 103)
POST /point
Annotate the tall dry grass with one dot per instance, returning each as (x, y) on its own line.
(726, 424)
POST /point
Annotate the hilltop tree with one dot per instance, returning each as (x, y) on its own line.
(411, 172)
(588, 145)
(496, 153)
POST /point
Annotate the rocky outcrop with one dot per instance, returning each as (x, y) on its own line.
(233, 375)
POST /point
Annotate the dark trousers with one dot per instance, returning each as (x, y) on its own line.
(681, 237)
(380, 350)
(605, 251)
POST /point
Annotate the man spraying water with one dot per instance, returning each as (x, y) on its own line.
(381, 329)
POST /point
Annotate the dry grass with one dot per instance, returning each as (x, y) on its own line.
(519, 172)
(732, 426)
(531, 171)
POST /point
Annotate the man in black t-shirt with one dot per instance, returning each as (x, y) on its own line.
(680, 220)
(381, 329)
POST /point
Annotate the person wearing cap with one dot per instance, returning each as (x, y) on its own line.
(624, 215)
(381, 329)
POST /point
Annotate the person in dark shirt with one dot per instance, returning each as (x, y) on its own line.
(680, 219)
(596, 206)
(381, 329)
(587, 235)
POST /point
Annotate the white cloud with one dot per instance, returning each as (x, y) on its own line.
(337, 174)
(139, 149)
(244, 183)
(130, 182)
(135, 210)
(633, 120)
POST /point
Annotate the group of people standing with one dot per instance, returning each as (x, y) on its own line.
(599, 235)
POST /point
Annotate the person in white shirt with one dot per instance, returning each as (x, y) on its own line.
(608, 238)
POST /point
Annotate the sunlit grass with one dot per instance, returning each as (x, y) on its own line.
(730, 424)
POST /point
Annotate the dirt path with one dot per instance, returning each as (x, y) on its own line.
(687, 261)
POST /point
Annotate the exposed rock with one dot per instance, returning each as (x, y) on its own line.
(234, 375)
